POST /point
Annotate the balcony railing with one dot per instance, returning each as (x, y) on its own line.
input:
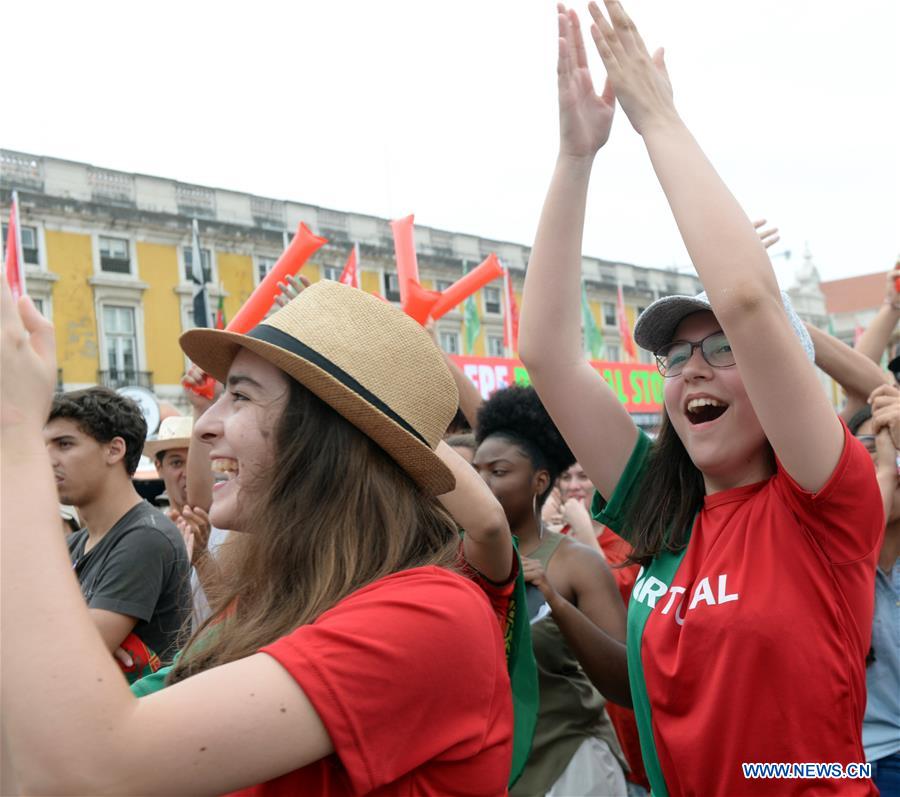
(116, 379)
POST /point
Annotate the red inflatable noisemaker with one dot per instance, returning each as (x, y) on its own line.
(261, 300)
(465, 286)
(405, 253)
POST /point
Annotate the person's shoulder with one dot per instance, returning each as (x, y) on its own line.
(149, 526)
(422, 589)
(571, 552)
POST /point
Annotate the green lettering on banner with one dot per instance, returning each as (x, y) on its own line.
(520, 375)
(614, 379)
(639, 389)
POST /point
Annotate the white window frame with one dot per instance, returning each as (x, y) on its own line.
(332, 273)
(212, 270)
(257, 278)
(41, 265)
(484, 295)
(132, 256)
(103, 296)
(385, 275)
(604, 307)
(613, 352)
(450, 335)
(182, 266)
(498, 340)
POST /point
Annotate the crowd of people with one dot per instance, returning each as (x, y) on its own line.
(367, 580)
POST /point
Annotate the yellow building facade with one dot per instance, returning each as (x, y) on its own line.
(107, 256)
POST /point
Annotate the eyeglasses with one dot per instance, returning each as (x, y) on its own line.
(715, 348)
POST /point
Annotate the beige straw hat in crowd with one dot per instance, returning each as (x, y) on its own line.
(174, 432)
(363, 357)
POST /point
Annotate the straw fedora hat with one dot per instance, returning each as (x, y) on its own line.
(174, 432)
(364, 358)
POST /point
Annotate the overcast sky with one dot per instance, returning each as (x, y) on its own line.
(448, 110)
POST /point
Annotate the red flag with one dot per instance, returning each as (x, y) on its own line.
(624, 332)
(350, 274)
(14, 261)
(511, 322)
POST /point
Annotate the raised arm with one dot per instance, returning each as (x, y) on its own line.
(487, 543)
(729, 258)
(856, 374)
(877, 335)
(101, 740)
(550, 329)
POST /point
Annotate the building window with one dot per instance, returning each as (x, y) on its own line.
(114, 255)
(495, 345)
(120, 342)
(492, 301)
(609, 314)
(638, 311)
(29, 244)
(205, 259)
(263, 265)
(612, 353)
(391, 287)
(442, 285)
(331, 273)
(450, 342)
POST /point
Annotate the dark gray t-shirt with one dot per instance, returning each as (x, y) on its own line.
(139, 568)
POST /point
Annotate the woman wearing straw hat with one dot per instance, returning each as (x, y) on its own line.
(755, 514)
(346, 655)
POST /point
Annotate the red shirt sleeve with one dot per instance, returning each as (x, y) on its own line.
(499, 594)
(846, 516)
(407, 671)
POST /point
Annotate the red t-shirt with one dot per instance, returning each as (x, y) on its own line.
(754, 638)
(409, 677)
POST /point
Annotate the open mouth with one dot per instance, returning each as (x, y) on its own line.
(224, 469)
(704, 410)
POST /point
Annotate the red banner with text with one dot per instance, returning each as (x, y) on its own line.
(639, 387)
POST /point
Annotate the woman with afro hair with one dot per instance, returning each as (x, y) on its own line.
(575, 752)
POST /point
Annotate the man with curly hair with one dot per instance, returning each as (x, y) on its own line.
(129, 558)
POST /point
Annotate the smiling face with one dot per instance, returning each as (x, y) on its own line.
(713, 417)
(511, 475)
(240, 428)
(575, 483)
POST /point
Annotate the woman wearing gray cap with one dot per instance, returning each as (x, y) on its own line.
(755, 514)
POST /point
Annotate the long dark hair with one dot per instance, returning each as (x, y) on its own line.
(331, 514)
(659, 514)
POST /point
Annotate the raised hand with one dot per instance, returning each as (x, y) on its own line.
(641, 82)
(291, 290)
(584, 117)
(194, 378)
(885, 403)
(768, 237)
(194, 525)
(27, 362)
(892, 293)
